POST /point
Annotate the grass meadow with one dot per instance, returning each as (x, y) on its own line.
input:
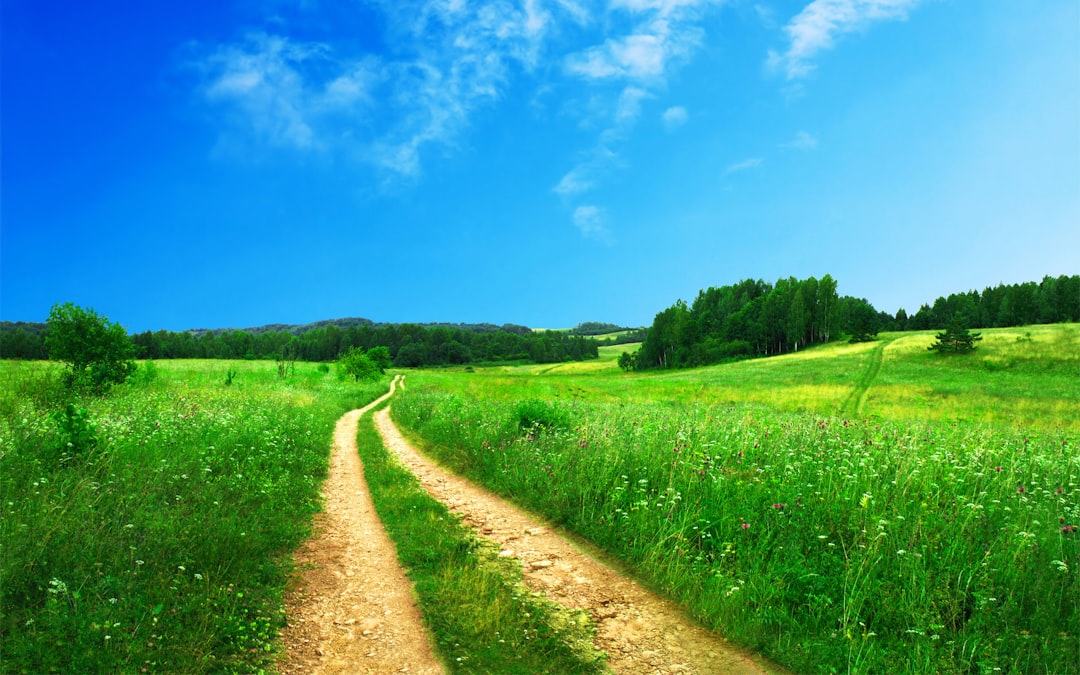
(854, 508)
(152, 530)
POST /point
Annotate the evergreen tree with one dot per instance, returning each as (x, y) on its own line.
(956, 339)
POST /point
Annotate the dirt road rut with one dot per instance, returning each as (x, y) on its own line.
(640, 632)
(353, 609)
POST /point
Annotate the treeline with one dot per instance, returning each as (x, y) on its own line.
(410, 345)
(750, 318)
(1053, 300)
(754, 318)
(596, 328)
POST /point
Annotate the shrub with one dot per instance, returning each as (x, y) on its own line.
(97, 353)
(541, 415)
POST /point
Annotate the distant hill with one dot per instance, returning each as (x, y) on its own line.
(353, 322)
(598, 328)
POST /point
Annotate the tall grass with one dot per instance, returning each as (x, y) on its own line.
(481, 617)
(832, 545)
(151, 531)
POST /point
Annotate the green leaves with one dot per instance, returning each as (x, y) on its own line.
(360, 365)
(956, 339)
(98, 353)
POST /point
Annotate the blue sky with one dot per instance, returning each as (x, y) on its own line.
(543, 162)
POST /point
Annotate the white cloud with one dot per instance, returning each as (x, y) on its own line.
(802, 141)
(628, 108)
(745, 165)
(575, 182)
(262, 78)
(633, 57)
(814, 29)
(441, 62)
(674, 117)
(592, 222)
(448, 60)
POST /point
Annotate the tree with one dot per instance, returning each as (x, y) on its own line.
(356, 363)
(863, 321)
(956, 339)
(627, 361)
(381, 357)
(97, 353)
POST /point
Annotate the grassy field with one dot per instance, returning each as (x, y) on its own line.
(152, 530)
(1017, 377)
(853, 508)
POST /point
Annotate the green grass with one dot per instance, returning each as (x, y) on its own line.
(1017, 377)
(921, 536)
(152, 531)
(480, 615)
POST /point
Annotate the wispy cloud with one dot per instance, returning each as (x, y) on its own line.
(674, 117)
(744, 165)
(802, 141)
(441, 62)
(662, 35)
(263, 81)
(592, 222)
(816, 27)
(450, 59)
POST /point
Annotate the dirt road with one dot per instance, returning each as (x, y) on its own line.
(640, 632)
(352, 610)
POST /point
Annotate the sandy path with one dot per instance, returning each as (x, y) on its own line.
(352, 610)
(640, 632)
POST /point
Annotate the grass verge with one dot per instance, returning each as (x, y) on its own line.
(830, 545)
(480, 615)
(152, 530)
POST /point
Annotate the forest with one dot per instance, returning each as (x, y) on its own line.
(410, 345)
(755, 318)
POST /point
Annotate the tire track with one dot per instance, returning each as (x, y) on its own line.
(352, 610)
(640, 632)
(855, 402)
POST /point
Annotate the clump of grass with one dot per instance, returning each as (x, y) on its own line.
(152, 530)
(482, 618)
(829, 544)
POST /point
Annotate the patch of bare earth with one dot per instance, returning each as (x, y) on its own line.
(352, 610)
(640, 632)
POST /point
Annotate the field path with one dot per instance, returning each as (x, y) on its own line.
(855, 402)
(353, 609)
(640, 632)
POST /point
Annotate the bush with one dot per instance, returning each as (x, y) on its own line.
(540, 415)
(98, 354)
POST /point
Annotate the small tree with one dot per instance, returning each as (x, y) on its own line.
(627, 361)
(381, 357)
(98, 353)
(863, 321)
(956, 339)
(356, 363)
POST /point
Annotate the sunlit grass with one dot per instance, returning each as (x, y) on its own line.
(831, 545)
(481, 617)
(152, 531)
(860, 508)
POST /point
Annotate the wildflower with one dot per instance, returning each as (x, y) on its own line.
(997, 468)
(746, 526)
(1021, 490)
(779, 507)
